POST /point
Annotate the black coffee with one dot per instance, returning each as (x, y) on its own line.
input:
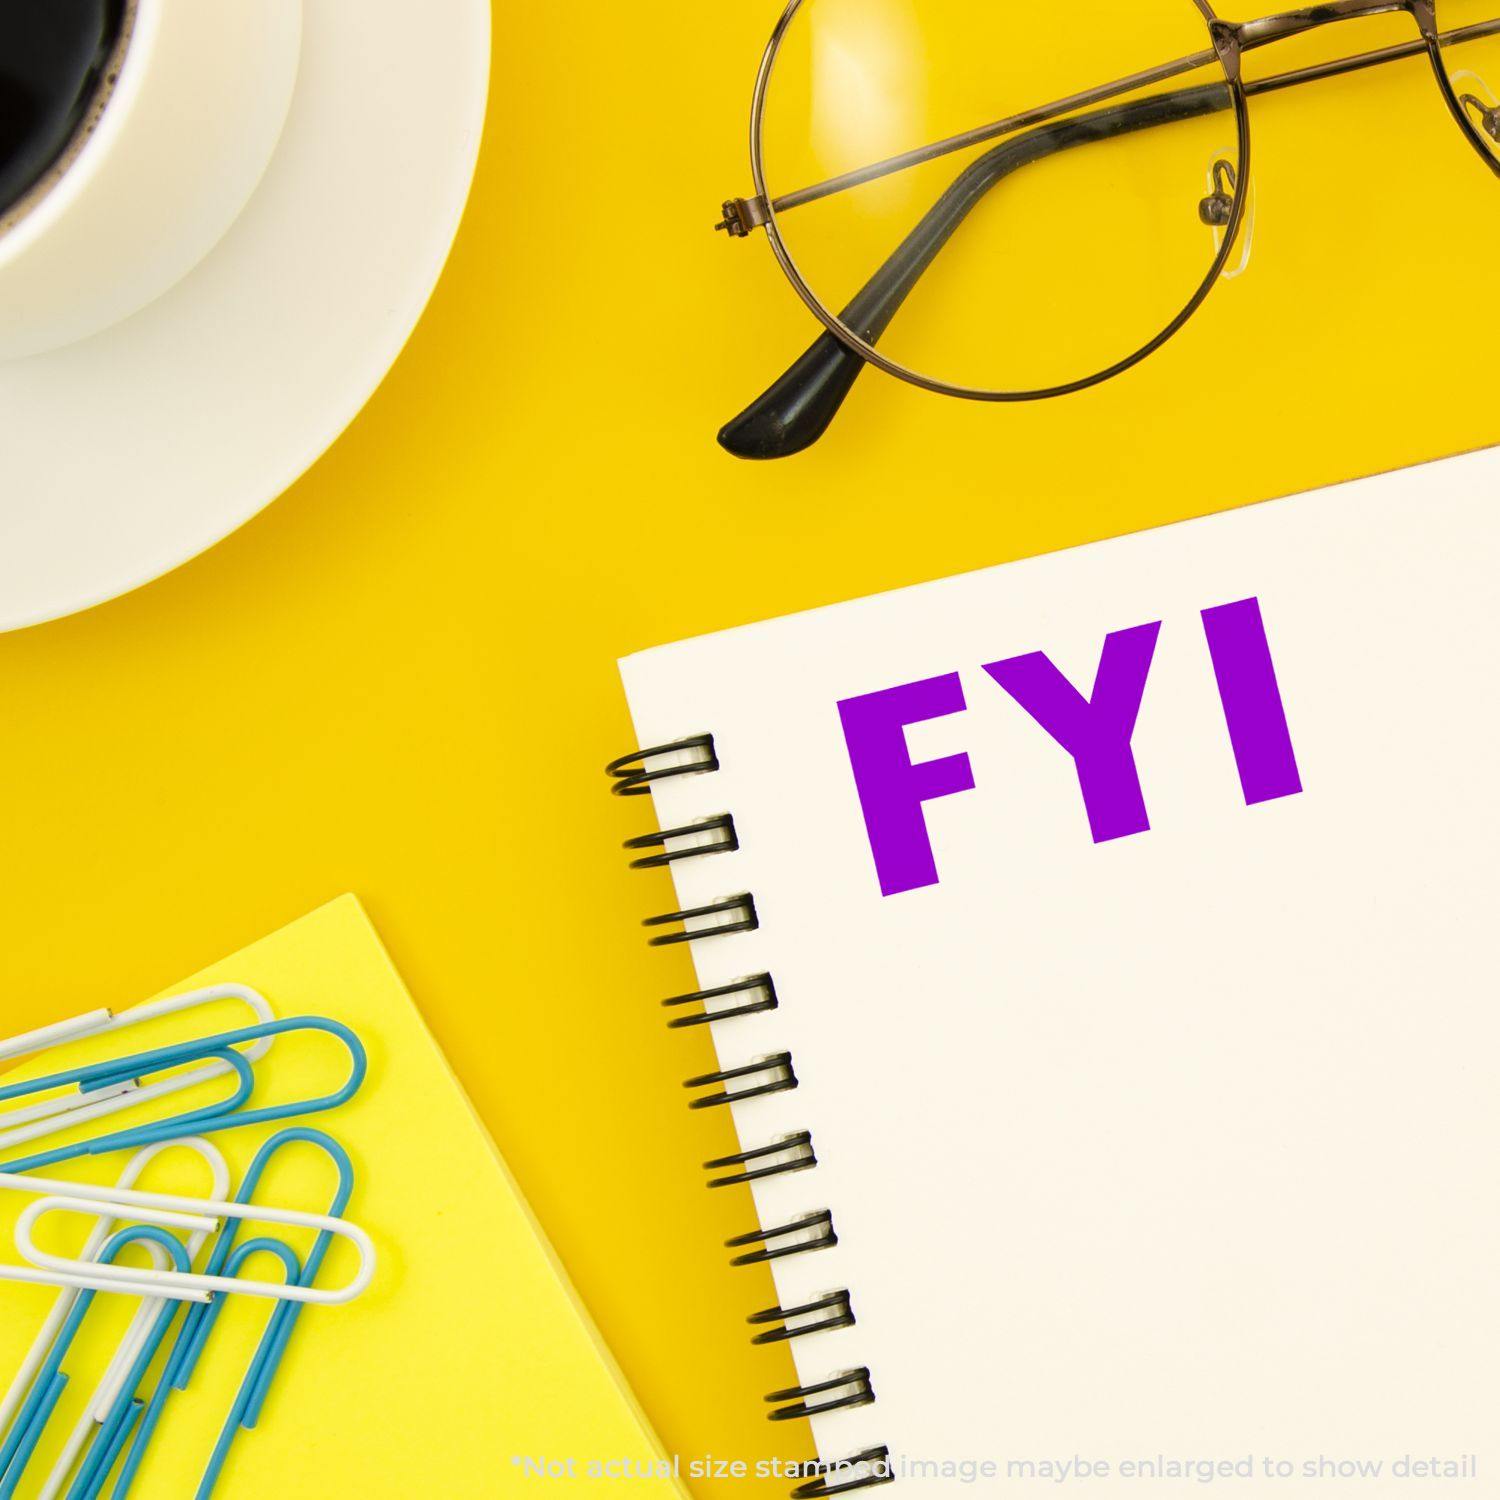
(55, 57)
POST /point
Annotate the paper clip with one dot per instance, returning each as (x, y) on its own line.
(139, 1329)
(226, 1115)
(246, 1409)
(115, 1375)
(167, 1211)
(227, 1259)
(50, 1116)
(91, 1275)
(31, 1422)
(200, 1320)
(245, 1412)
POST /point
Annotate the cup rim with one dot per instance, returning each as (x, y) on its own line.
(143, 25)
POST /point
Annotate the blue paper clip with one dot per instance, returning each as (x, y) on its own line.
(245, 1412)
(200, 1320)
(31, 1421)
(194, 1122)
(184, 1356)
(226, 1260)
(53, 1116)
(227, 1115)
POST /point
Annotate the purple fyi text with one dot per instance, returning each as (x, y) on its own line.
(1096, 731)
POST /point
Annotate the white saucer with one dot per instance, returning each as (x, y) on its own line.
(126, 454)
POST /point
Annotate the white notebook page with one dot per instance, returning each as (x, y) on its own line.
(1176, 1147)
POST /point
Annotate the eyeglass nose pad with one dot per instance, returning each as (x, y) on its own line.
(1490, 121)
(1488, 114)
(1217, 209)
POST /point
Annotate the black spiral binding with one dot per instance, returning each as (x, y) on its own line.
(633, 776)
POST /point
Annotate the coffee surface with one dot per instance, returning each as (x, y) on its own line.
(54, 57)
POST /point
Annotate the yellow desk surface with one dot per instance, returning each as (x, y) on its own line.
(400, 679)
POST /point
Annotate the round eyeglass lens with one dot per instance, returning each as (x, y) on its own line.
(1025, 258)
(1470, 31)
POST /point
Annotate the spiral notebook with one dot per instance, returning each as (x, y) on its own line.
(1100, 952)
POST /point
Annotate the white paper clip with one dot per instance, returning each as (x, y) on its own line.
(167, 1211)
(64, 1111)
(125, 1356)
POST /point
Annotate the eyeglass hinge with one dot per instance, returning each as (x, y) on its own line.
(742, 215)
(1228, 43)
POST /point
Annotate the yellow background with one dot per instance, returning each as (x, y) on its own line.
(399, 679)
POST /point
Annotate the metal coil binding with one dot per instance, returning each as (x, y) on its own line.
(867, 1469)
(634, 775)
(850, 1388)
(823, 1316)
(806, 1233)
(713, 836)
(758, 985)
(792, 1153)
(734, 914)
(767, 1075)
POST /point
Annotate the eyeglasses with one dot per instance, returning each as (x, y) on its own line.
(1079, 268)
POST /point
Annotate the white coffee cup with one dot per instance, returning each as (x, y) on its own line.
(174, 151)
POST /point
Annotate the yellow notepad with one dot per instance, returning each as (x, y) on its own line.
(468, 1369)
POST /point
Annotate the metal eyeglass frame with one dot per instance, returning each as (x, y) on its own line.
(795, 411)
